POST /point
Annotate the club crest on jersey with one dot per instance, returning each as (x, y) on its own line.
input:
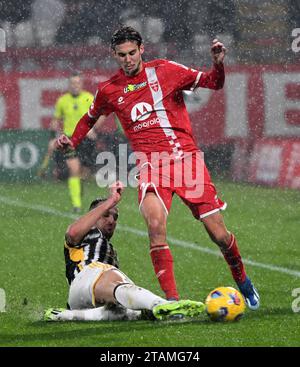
(134, 87)
(154, 86)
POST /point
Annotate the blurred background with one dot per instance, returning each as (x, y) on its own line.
(249, 131)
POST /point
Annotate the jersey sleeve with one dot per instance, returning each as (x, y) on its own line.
(100, 105)
(189, 78)
(214, 78)
(186, 78)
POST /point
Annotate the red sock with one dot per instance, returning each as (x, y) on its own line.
(233, 258)
(162, 261)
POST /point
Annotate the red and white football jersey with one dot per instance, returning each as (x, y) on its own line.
(150, 105)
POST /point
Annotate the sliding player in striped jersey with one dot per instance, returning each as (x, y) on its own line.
(147, 97)
(98, 289)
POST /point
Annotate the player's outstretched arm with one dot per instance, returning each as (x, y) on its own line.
(83, 126)
(215, 78)
(77, 230)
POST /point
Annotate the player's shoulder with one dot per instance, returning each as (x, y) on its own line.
(156, 63)
(166, 64)
(105, 85)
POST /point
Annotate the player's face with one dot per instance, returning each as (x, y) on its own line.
(129, 56)
(75, 85)
(107, 223)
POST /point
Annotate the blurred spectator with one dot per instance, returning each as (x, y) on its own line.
(132, 17)
(15, 11)
(294, 13)
(221, 17)
(23, 34)
(154, 29)
(73, 28)
(47, 15)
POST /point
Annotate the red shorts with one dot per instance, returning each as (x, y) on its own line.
(187, 177)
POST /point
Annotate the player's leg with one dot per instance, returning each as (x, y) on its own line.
(215, 226)
(113, 286)
(206, 207)
(104, 313)
(87, 154)
(101, 284)
(74, 181)
(156, 219)
(90, 302)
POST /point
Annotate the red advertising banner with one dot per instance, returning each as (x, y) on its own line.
(275, 163)
(27, 99)
(256, 102)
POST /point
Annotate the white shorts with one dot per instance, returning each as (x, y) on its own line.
(81, 293)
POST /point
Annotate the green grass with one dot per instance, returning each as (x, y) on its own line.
(265, 221)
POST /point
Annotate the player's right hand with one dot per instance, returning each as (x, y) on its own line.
(116, 190)
(217, 51)
(64, 143)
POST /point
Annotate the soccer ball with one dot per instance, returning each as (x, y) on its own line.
(225, 304)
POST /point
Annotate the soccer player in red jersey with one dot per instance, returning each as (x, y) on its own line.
(147, 97)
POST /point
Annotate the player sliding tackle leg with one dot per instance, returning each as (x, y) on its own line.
(125, 301)
(100, 282)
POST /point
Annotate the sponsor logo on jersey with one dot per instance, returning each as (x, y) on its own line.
(146, 124)
(120, 100)
(141, 111)
(134, 87)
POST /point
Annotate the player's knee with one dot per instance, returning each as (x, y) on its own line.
(222, 238)
(156, 228)
(106, 284)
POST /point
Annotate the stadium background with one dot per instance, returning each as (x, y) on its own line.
(249, 131)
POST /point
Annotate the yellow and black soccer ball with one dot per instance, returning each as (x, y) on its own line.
(225, 304)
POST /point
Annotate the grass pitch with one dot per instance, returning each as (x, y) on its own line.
(265, 221)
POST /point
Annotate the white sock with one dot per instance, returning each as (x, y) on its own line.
(136, 298)
(98, 314)
(93, 314)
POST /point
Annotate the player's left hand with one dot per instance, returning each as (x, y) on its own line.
(217, 51)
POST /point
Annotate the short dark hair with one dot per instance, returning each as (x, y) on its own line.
(75, 73)
(124, 34)
(96, 202)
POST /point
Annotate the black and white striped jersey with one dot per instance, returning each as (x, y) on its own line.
(93, 247)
